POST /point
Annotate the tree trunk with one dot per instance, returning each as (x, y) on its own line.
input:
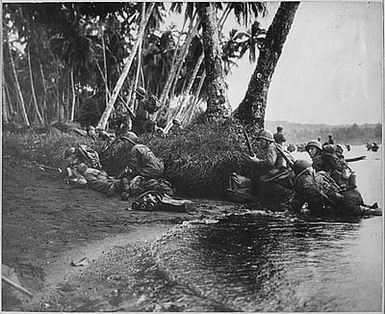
(44, 90)
(180, 58)
(72, 116)
(217, 102)
(10, 109)
(186, 119)
(105, 67)
(20, 94)
(137, 75)
(107, 112)
(251, 110)
(186, 98)
(40, 118)
(4, 107)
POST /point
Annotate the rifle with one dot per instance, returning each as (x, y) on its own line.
(290, 161)
(355, 159)
(250, 149)
(43, 167)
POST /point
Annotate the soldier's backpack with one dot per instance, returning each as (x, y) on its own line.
(90, 156)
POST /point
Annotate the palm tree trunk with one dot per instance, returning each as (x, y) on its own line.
(183, 57)
(44, 112)
(105, 67)
(251, 110)
(217, 102)
(72, 116)
(194, 74)
(40, 118)
(107, 112)
(4, 107)
(137, 75)
(10, 109)
(20, 94)
(186, 119)
(170, 79)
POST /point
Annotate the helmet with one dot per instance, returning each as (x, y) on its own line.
(130, 137)
(69, 151)
(300, 165)
(266, 135)
(279, 128)
(328, 150)
(141, 91)
(313, 143)
(90, 128)
(176, 121)
(103, 134)
(338, 149)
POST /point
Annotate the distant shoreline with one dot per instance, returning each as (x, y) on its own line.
(345, 134)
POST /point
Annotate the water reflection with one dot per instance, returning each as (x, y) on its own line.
(264, 263)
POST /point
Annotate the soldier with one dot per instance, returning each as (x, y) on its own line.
(91, 132)
(274, 180)
(141, 160)
(324, 196)
(338, 168)
(314, 150)
(176, 125)
(146, 105)
(278, 136)
(79, 172)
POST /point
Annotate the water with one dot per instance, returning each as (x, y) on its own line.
(255, 262)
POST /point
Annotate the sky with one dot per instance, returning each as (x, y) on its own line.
(330, 68)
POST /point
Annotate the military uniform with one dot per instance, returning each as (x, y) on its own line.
(323, 195)
(143, 162)
(271, 180)
(279, 138)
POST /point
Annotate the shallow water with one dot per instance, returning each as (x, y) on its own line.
(255, 262)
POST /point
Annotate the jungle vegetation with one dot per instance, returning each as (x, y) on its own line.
(81, 62)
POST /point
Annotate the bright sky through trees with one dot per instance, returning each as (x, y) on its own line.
(330, 68)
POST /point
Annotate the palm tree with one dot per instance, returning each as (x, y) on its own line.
(251, 110)
(106, 114)
(217, 102)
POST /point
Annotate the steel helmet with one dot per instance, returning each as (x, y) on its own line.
(339, 149)
(176, 121)
(313, 143)
(279, 128)
(130, 137)
(90, 128)
(328, 150)
(69, 151)
(141, 91)
(301, 165)
(266, 135)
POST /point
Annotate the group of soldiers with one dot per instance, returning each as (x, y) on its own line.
(142, 170)
(327, 185)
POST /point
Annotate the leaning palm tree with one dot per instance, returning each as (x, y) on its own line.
(106, 114)
(251, 110)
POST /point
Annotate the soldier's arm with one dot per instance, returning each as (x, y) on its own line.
(269, 160)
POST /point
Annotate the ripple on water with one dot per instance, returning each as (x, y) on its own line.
(264, 263)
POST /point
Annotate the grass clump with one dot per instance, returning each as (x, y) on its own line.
(198, 159)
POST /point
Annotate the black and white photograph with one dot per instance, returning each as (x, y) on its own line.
(192, 156)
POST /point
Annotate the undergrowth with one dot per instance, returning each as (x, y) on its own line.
(198, 159)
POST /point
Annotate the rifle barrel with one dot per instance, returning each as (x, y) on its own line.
(250, 149)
